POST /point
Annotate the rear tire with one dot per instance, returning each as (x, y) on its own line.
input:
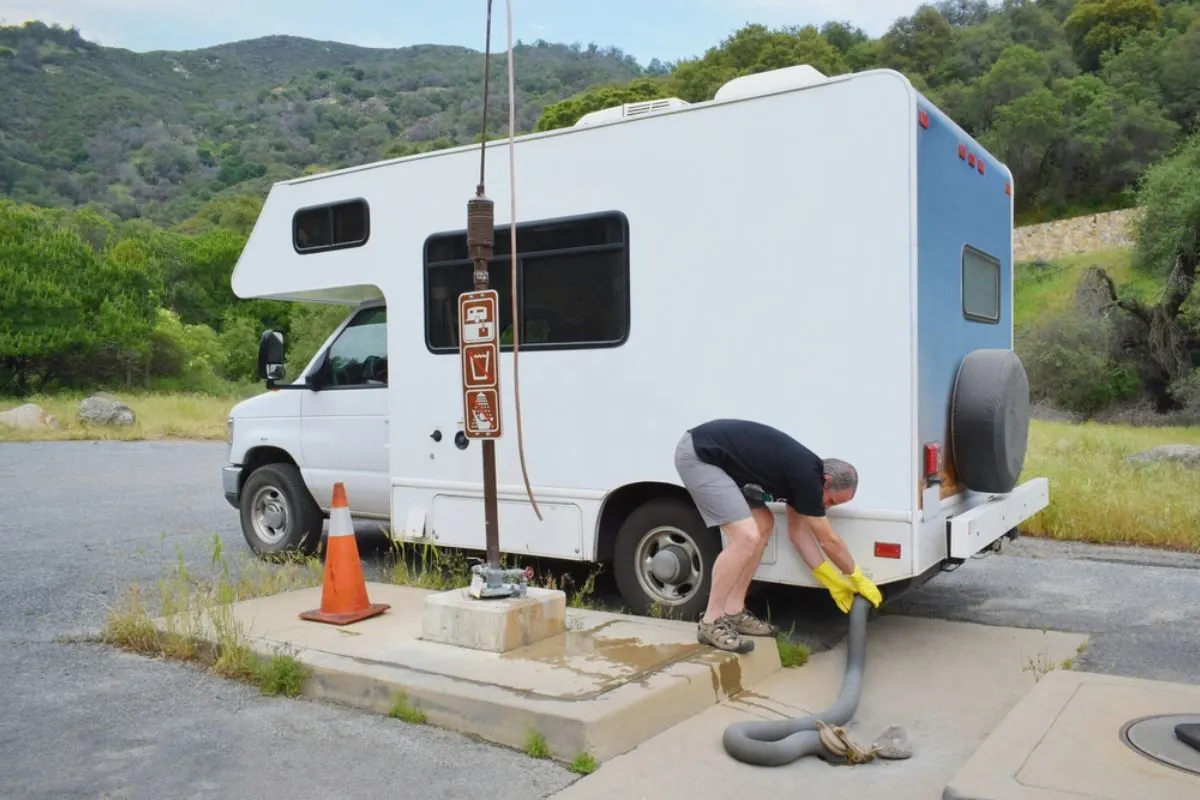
(278, 513)
(663, 555)
(989, 420)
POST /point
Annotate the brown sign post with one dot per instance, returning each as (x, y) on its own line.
(479, 353)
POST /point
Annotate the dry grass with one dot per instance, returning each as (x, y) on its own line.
(157, 416)
(198, 624)
(1096, 496)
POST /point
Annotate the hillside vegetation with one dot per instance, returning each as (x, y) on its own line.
(134, 178)
(157, 134)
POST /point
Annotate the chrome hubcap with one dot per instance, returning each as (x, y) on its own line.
(269, 514)
(668, 565)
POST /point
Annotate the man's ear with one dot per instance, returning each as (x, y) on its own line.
(828, 480)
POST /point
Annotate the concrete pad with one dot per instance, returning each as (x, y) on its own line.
(947, 684)
(497, 625)
(604, 685)
(1062, 742)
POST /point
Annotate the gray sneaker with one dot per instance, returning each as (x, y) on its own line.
(723, 636)
(747, 624)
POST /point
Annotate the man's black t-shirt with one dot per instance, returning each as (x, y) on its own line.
(751, 452)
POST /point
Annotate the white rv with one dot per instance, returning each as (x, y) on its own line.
(832, 256)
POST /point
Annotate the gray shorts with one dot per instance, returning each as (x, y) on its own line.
(717, 496)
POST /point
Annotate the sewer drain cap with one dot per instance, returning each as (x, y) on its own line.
(1154, 737)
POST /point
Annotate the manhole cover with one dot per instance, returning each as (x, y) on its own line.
(1154, 737)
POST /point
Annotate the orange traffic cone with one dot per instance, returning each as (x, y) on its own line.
(344, 592)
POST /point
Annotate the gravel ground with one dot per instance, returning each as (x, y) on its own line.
(82, 520)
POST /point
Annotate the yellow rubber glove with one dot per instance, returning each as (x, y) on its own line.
(833, 580)
(864, 586)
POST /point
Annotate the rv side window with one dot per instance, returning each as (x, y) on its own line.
(980, 286)
(573, 278)
(358, 356)
(331, 227)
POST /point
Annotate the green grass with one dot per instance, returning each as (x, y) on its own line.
(583, 764)
(156, 416)
(1043, 289)
(791, 653)
(403, 709)
(1096, 496)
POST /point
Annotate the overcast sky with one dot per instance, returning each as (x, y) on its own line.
(666, 29)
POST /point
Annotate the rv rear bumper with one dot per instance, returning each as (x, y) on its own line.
(979, 526)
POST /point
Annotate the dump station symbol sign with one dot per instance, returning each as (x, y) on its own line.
(479, 352)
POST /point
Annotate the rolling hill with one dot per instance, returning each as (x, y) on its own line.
(157, 134)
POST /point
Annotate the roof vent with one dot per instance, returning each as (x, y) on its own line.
(776, 80)
(626, 110)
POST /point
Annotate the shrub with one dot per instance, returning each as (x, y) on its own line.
(1068, 360)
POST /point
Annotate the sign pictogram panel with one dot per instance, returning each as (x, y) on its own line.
(479, 353)
(479, 366)
(483, 414)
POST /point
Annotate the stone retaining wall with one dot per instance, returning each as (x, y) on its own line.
(1066, 237)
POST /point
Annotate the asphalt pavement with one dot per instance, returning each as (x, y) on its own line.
(79, 521)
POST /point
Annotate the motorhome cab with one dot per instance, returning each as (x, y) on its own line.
(832, 256)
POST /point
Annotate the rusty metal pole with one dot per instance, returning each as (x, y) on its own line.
(480, 244)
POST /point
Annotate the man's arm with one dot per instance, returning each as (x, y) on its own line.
(818, 528)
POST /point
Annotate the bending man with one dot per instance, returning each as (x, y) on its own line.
(719, 463)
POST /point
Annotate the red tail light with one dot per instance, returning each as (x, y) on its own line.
(933, 459)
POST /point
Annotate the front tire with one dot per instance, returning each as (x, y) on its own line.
(663, 556)
(278, 513)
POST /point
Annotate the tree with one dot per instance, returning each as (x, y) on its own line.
(753, 49)
(1096, 26)
(918, 44)
(567, 112)
(65, 305)
(1168, 246)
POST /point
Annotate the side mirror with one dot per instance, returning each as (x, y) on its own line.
(270, 357)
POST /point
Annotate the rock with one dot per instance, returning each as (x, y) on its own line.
(893, 744)
(1186, 454)
(101, 410)
(28, 416)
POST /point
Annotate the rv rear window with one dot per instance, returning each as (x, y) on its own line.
(331, 227)
(572, 277)
(980, 286)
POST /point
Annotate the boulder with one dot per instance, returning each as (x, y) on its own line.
(1186, 454)
(101, 410)
(28, 416)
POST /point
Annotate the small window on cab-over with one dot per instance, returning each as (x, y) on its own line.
(980, 286)
(336, 226)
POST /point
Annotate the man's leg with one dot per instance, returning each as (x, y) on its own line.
(721, 504)
(729, 566)
(735, 603)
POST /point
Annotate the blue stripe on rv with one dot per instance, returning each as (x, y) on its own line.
(957, 207)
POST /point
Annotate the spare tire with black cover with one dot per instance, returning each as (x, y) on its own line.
(989, 420)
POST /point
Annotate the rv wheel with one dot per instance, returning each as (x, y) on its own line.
(278, 513)
(662, 559)
(989, 420)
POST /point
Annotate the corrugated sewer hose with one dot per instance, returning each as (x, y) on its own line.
(772, 743)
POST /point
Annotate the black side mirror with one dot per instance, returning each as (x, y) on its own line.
(270, 357)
